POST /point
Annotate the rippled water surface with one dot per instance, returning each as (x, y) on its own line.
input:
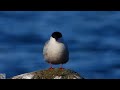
(93, 38)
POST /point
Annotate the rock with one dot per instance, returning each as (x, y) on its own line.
(2, 76)
(50, 74)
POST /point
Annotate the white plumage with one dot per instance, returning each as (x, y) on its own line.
(55, 50)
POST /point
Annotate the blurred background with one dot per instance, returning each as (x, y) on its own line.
(93, 38)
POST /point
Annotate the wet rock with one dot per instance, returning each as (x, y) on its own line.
(50, 74)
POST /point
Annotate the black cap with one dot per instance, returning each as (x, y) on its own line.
(56, 35)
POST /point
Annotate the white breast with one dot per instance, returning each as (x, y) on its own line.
(55, 49)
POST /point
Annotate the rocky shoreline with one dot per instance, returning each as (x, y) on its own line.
(50, 74)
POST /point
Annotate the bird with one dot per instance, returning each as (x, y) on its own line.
(55, 50)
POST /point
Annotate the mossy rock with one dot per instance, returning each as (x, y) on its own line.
(50, 74)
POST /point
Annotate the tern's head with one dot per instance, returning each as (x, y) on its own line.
(56, 35)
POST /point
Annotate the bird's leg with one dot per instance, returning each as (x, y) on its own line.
(61, 67)
(51, 66)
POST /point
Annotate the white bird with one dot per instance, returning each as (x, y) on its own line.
(55, 50)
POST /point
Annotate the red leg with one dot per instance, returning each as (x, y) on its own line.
(61, 67)
(51, 66)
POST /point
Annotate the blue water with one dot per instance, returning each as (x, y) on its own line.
(93, 38)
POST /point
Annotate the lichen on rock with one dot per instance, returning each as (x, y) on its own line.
(50, 74)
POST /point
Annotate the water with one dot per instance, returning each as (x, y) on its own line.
(93, 38)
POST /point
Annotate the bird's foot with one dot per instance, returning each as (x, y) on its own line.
(51, 68)
(61, 68)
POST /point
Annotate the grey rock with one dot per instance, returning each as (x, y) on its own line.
(2, 76)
